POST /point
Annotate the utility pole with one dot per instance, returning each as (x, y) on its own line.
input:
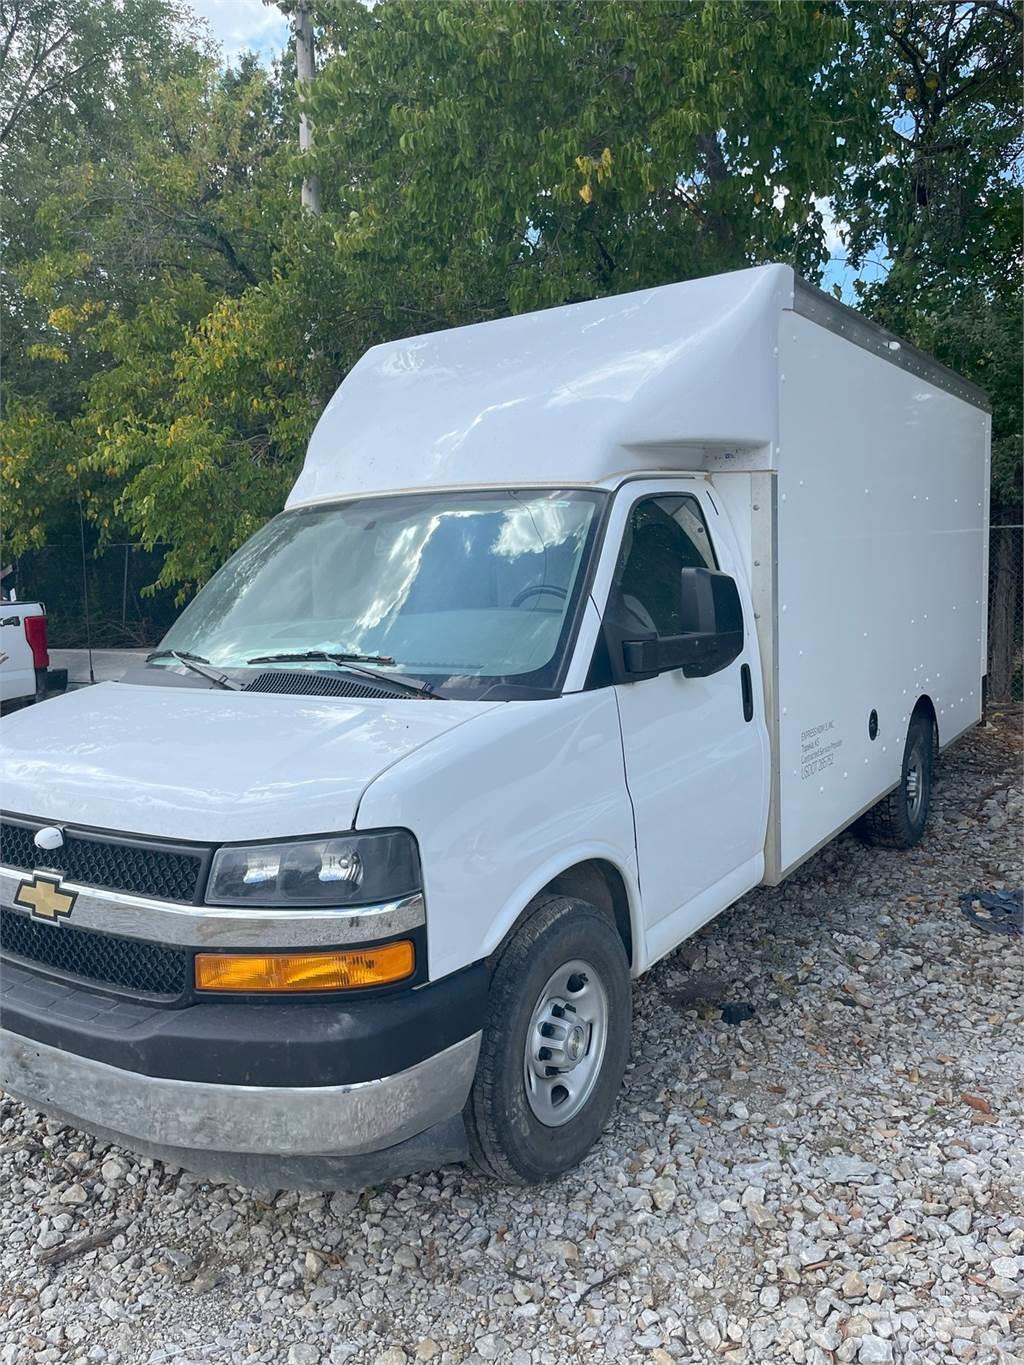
(305, 67)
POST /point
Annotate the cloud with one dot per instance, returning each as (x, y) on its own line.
(241, 25)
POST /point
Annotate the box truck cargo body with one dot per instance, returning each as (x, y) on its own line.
(576, 627)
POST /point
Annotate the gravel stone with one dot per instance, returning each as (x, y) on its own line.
(663, 1192)
(491, 1347)
(960, 1220)
(809, 1186)
(874, 1351)
(114, 1170)
(854, 1286)
(849, 1170)
(709, 1334)
(1008, 1267)
(301, 1354)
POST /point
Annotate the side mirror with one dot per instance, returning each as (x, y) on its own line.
(711, 615)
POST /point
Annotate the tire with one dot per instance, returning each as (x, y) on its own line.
(563, 941)
(899, 819)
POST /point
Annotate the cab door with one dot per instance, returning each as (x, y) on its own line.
(695, 750)
(17, 670)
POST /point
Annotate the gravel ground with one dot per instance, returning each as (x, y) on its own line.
(838, 1178)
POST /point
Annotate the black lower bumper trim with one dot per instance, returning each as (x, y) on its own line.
(294, 1043)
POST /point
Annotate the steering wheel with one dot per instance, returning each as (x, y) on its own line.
(536, 588)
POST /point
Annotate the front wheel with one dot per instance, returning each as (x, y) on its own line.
(899, 819)
(555, 1045)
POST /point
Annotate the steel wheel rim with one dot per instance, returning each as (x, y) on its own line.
(566, 1042)
(914, 784)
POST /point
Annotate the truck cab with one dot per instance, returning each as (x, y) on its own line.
(24, 656)
(536, 673)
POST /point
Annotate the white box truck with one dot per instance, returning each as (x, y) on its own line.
(576, 626)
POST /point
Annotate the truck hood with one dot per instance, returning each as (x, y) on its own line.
(209, 765)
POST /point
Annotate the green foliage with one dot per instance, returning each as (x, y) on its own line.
(37, 457)
(486, 156)
(134, 225)
(175, 323)
(935, 191)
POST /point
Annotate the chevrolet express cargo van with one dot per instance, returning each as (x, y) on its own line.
(576, 627)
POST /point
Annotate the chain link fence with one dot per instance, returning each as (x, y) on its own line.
(123, 615)
(1006, 613)
(107, 596)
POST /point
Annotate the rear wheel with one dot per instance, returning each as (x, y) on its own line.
(555, 1046)
(899, 819)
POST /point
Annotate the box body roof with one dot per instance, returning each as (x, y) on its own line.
(568, 395)
(583, 394)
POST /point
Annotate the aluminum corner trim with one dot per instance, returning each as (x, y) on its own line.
(337, 1120)
(817, 306)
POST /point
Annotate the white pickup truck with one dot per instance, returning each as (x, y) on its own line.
(24, 657)
(576, 627)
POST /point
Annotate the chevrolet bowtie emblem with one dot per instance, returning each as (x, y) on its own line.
(45, 897)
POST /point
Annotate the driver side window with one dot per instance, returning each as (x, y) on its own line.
(665, 534)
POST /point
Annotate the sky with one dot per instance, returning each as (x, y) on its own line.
(244, 24)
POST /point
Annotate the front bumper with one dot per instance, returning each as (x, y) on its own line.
(321, 1092)
(327, 1094)
(318, 1137)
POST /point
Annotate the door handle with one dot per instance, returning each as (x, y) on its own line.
(746, 687)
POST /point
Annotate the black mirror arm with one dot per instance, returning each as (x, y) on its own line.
(696, 653)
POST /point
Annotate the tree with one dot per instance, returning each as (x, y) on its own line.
(179, 322)
(72, 78)
(138, 218)
(936, 192)
(74, 64)
(487, 156)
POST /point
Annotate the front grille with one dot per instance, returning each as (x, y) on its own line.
(308, 684)
(105, 959)
(111, 863)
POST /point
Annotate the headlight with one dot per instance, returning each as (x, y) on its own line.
(354, 869)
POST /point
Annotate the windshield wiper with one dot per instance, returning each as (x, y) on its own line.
(320, 654)
(175, 654)
(350, 663)
(194, 663)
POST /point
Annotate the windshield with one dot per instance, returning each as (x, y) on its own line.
(462, 590)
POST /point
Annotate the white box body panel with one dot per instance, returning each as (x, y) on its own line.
(566, 395)
(881, 515)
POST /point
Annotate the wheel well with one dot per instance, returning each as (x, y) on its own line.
(601, 884)
(924, 706)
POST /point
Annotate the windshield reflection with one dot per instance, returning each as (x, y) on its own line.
(463, 589)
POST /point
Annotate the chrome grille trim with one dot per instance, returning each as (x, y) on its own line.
(211, 926)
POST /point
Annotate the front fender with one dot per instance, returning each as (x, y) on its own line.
(502, 805)
(555, 867)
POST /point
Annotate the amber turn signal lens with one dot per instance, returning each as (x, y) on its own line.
(282, 972)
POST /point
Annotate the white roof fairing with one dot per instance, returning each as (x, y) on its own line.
(568, 395)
